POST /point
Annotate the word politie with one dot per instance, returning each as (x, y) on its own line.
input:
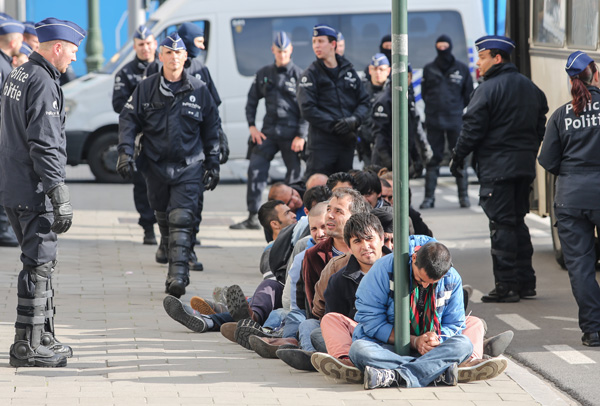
(584, 120)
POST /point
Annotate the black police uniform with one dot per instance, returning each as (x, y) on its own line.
(281, 124)
(570, 151)
(126, 80)
(326, 96)
(445, 93)
(503, 126)
(33, 152)
(180, 141)
(365, 141)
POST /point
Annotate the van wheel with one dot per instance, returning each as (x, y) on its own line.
(558, 254)
(102, 158)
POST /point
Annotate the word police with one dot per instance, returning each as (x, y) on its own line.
(11, 90)
(585, 120)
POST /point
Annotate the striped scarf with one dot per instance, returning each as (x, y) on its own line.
(429, 321)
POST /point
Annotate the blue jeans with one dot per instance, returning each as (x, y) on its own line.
(219, 319)
(275, 319)
(418, 372)
(307, 327)
(292, 322)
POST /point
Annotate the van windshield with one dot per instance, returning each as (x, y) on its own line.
(125, 52)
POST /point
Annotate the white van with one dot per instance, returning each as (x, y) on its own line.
(238, 39)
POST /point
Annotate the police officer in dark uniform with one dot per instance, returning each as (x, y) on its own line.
(446, 88)
(283, 127)
(503, 126)
(179, 120)
(126, 80)
(33, 152)
(570, 151)
(334, 102)
(11, 39)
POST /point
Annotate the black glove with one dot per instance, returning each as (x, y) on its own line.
(126, 166)
(223, 146)
(211, 179)
(457, 165)
(345, 125)
(63, 211)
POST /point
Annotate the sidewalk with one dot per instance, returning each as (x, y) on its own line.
(127, 351)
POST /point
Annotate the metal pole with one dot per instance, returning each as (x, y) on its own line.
(400, 171)
(137, 15)
(94, 47)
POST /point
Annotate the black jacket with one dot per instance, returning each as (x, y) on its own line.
(32, 138)
(446, 94)
(177, 128)
(325, 99)
(504, 125)
(366, 128)
(570, 150)
(278, 87)
(126, 80)
(5, 67)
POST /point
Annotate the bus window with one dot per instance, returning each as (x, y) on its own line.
(549, 17)
(583, 24)
(204, 25)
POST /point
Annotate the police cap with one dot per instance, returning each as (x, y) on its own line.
(495, 42)
(281, 41)
(577, 62)
(379, 60)
(51, 29)
(30, 28)
(173, 42)
(26, 49)
(340, 36)
(142, 32)
(8, 26)
(323, 29)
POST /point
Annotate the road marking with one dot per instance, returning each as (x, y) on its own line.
(517, 322)
(562, 318)
(568, 354)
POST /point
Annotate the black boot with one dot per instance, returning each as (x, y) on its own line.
(195, 265)
(251, 223)
(48, 339)
(462, 185)
(180, 243)
(7, 235)
(163, 248)
(431, 177)
(23, 354)
(503, 293)
(149, 236)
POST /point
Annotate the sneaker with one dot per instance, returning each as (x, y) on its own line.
(267, 347)
(247, 328)
(228, 331)
(496, 345)
(381, 378)
(296, 358)
(149, 236)
(339, 370)
(184, 314)
(449, 376)
(481, 369)
(205, 306)
(219, 294)
(195, 265)
(237, 304)
(251, 223)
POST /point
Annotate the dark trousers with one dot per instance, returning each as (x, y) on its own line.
(506, 203)
(173, 186)
(329, 160)
(576, 233)
(266, 298)
(437, 139)
(260, 162)
(140, 198)
(38, 242)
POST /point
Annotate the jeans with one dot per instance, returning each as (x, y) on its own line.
(219, 319)
(317, 340)
(275, 319)
(292, 323)
(417, 372)
(307, 327)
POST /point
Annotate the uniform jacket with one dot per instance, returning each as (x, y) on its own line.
(332, 267)
(366, 128)
(32, 137)
(325, 99)
(5, 67)
(126, 80)
(504, 125)
(446, 94)
(178, 128)
(570, 150)
(278, 87)
(375, 299)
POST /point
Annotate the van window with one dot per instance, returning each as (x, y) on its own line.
(549, 18)
(203, 24)
(252, 37)
(583, 24)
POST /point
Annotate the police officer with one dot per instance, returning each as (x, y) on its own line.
(179, 120)
(334, 102)
(30, 36)
(23, 55)
(570, 151)
(126, 80)
(33, 152)
(503, 126)
(283, 128)
(446, 88)
(11, 39)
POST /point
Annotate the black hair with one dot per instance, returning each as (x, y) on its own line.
(504, 55)
(266, 214)
(435, 258)
(315, 195)
(362, 225)
(373, 168)
(357, 204)
(367, 182)
(338, 177)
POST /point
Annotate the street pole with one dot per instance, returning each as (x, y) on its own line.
(137, 15)
(400, 171)
(94, 47)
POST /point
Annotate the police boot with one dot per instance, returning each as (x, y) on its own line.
(462, 185)
(503, 293)
(163, 248)
(23, 353)
(431, 177)
(7, 235)
(180, 243)
(195, 265)
(48, 338)
(251, 223)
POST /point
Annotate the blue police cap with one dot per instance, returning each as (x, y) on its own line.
(409, 68)
(281, 41)
(322, 29)
(142, 32)
(577, 62)
(51, 29)
(9, 26)
(495, 42)
(173, 42)
(379, 59)
(4, 16)
(26, 49)
(30, 28)
(340, 36)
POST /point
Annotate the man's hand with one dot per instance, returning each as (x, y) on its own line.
(63, 211)
(257, 136)
(298, 144)
(211, 179)
(345, 125)
(457, 165)
(126, 166)
(223, 147)
(426, 342)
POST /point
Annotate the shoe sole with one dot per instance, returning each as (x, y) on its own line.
(176, 288)
(293, 358)
(226, 329)
(37, 362)
(174, 308)
(201, 306)
(495, 346)
(236, 303)
(161, 260)
(486, 370)
(245, 329)
(263, 349)
(336, 370)
(198, 268)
